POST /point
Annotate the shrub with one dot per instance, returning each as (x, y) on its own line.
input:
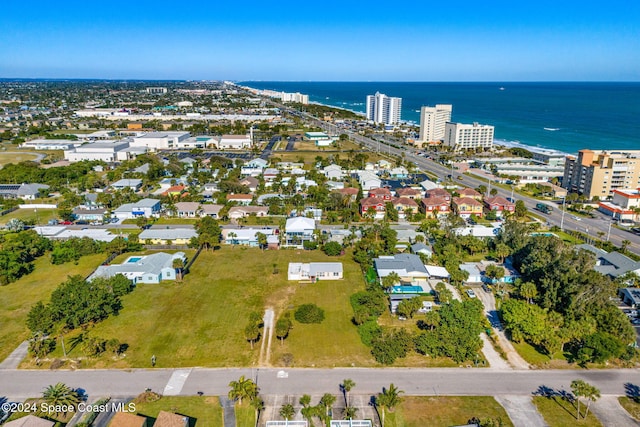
(309, 313)
(332, 248)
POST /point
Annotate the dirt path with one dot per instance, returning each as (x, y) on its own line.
(267, 336)
(489, 302)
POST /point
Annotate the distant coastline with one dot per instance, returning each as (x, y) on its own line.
(561, 116)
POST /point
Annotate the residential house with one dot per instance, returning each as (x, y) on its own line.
(270, 174)
(384, 164)
(427, 185)
(350, 192)
(375, 205)
(211, 210)
(22, 191)
(152, 268)
(475, 275)
(422, 248)
(470, 192)
(399, 172)
(380, 193)
(630, 296)
(439, 192)
(612, 264)
(437, 272)
(249, 236)
(187, 209)
(334, 185)
(169, 419)
(175, 190)
(464, 207)
(408, 266)
(369, 180)
(127, 419)
(251, 183)
(510, 274)
(167, 236)
(409, 193)
(405, 205)
(133, 184)
(435, 206)
(147, 208)
(254, 167)
(499, 205)
(333, 172)
(299, 230)
(237, 212)
(240, 199)
(315, 271)
(396, 298)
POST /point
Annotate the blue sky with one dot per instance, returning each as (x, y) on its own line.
(326, 40)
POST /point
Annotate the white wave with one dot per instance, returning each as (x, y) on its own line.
(551, 129)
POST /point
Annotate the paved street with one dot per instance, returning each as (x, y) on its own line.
(440, 381)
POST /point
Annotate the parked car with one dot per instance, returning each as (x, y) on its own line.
(65, 223)
(470, 293)
(82, 222)
(486, 287)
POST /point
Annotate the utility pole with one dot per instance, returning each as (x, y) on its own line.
(562, 220)
(609, 230)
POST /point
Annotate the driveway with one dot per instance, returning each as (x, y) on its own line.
(611, 413)
(522, 411)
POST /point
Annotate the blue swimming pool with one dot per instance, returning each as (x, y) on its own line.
(407, 289)
(134, 259)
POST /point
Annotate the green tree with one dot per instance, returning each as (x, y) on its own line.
(388, 399)
(61, 396)
(287, 411)
(350, 412)
(581, 389)
(252, 333)
(347, 385)
(409, 307)
(332, 248)
(262, 240)
(258, 406)
(208, 231)
(521, 210)
(243, 388)
(283, 326)
(178, 265)
(309, 313)
(327, 400)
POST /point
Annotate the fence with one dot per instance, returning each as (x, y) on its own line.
(192, 260)
(6, 211)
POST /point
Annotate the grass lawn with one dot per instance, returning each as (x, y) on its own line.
(18, 297)
(631, 406)
(178, 221)
(532, 356)
(444, 411)
(558, 412)
(201, 321)
(40, 217)
(204, 410)
(6, 158)
(309, 157)
(245, 415)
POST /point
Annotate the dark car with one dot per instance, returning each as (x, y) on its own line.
(82, 222)
(486, 287)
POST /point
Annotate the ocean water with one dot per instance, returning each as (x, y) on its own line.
(561, 116)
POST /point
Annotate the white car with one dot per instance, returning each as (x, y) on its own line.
(470, 293)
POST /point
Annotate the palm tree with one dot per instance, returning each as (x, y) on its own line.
(308, 412)
(327, 401)
(346, 386)
(528, 291)
(390, 280)
(60, 395)
(243, 388)
(287, 411)
(178, 265)
(252, 333)
(624, 245)
(350, 412)
(388, 399)
(258, 405)
(232, 236)
(583, 389)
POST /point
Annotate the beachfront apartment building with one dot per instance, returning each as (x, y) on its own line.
(597, 173)
(384, 109)
(461, 136)
(433, 122)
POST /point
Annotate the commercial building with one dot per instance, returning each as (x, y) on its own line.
(462, 136)
(384, 109)
(51, 144)
(160, 140)
(156, 90)
(433, 122)
(624, 206)
(598, 172)
(106, 151)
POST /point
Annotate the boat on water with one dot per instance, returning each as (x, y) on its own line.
(501, 88)
(551, 129)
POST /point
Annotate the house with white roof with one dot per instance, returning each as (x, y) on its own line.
(106, 151)
(299, 230)
(437, 272)
(254, 167)
(167, 236)
(249, 236)
(133, 184)
(315, 271)
(369, 180)
(147, 208)
(22, 191)
(333, 172)
(153, 268)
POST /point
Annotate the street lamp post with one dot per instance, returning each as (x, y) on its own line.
(562, 219)
(609, 230)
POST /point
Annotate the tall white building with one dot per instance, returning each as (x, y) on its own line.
(383, 109)
(433, 121)
(468, 137)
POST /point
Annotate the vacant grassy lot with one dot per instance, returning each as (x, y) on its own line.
(631, 406)
(18, 297)
(445, 411)
(558, 412)
(6, 158)
(204, 411)
(534, 357)
(245, 415)
(39, 218)
(201, 321)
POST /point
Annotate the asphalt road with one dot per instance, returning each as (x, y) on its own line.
(431, 382)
